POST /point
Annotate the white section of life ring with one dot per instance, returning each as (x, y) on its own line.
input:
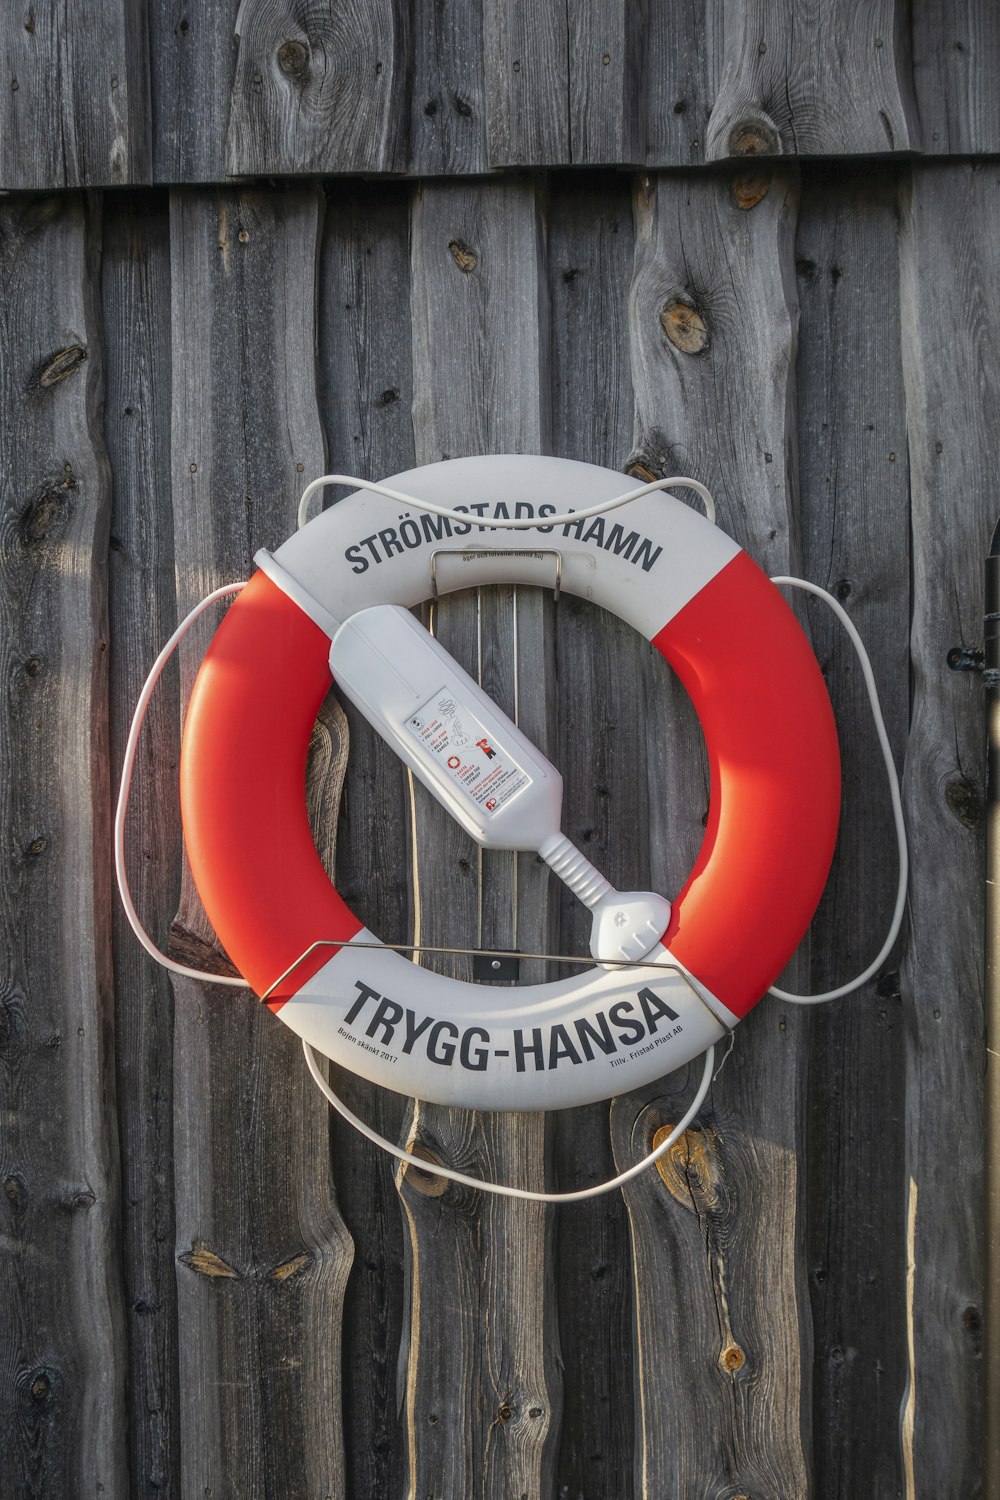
(643, 562)
(524, 1047)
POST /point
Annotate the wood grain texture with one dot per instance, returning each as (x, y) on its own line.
(676, 81)
(75, 95)
(604, 83)
(527, 83)
(317, 88)
(720, 1304)
(956, 55)
(62, 1355)
(263, 1254)
(482, 1405)
(448, 90)
(113, 92)
(951, 364)
(855, 528)
(135, 288)
(827, 79)
(192, 66)
(366, 386)
(602, 667)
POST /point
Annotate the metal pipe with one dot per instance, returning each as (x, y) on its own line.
(991, 680)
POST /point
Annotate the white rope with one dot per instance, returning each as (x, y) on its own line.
(897, 805)
(499, 1188)
(493, 522)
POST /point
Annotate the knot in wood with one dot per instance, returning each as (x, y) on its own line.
(63, 364)
(732, 1359)
(464, 258)
(749, 188)
(428, 1183)
(684, 325)
(15, 1192)
(44, 517)
(964, 801)
(293, 59)
(690, 1169)
(290, 1267)
(754, 135)
(206, 1262)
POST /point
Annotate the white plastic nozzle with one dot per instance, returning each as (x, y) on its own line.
(627, 924)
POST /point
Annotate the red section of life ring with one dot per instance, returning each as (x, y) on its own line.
(774, 803)
(243, 775)
(775, 792)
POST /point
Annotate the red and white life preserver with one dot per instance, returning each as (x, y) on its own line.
(768, 728)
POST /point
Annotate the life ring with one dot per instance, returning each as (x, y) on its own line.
(764, 713)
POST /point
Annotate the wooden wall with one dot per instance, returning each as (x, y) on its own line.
(132, 92)
(207, 1286)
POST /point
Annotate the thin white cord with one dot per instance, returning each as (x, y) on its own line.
(128, 767)
(501, 1189)
(897, 805)
(504, 525)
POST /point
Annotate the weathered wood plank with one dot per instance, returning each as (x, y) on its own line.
(75, 95)
(527, 87)
(366, 388)
(600, 679)
(193, 63)
(720, 1300)
(263, 1255)
(482, 1406)
(677, 81)
(448, 103)
(956, 61)
(317, 88)
(135, 290)
(605, 83)
(835, 83)
(951, 364)
(63, 1353)
(855, 529)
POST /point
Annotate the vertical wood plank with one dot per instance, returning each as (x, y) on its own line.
(448, 106)
(720, 1307)
(193, 63)
(855, 528)
(951, 364)
(75, 94)
(956, 58)
(366, 392)
(482, 1405)
(677, 79)
(605, 89)
(136, 299)
(317, 88)
(838, 82)
(527, 83)
(602, 666)
(62, 1353)
(263, 1255)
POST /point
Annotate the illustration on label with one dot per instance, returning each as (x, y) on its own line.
(483, 768)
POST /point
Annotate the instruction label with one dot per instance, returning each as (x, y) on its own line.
(469, 755)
